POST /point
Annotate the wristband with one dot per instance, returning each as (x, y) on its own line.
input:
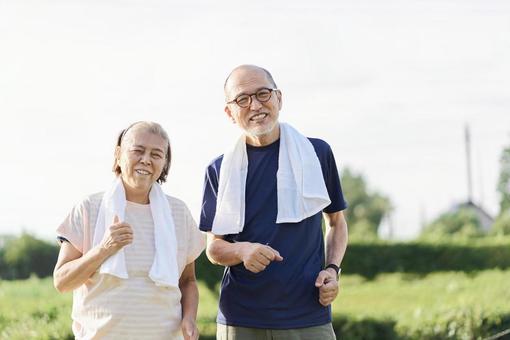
(335, 267)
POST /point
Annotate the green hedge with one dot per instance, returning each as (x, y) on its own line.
(459, 324)
(456, 325)
(26, 254)
(370, 259)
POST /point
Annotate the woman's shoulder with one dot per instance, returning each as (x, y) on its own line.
(176, 203)
(92, 201)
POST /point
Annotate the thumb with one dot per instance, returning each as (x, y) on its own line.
(277, 256)
(116, 219)
(320, 279)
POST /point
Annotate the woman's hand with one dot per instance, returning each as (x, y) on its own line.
(189, 329)
(118, 235)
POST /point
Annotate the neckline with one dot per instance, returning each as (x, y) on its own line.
(138, 205)
(264, 147)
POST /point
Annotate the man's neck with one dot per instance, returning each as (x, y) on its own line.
(265, 139)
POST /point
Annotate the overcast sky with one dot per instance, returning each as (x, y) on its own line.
(388, 84)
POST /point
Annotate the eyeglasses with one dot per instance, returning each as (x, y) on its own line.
(244, 100)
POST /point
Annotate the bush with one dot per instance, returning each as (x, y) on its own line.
(207, 272)
(462, 222)
(466, 323)
(370, 259)
(364, 328)
(502, 224)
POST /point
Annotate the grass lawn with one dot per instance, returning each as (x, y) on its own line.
(32, 309)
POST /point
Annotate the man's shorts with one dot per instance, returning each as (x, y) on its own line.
(323, 332)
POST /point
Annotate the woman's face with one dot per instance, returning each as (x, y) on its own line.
(141, 158)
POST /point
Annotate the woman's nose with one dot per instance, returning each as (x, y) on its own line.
(145, 158)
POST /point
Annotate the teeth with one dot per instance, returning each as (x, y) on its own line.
(259, 116)
(143, 172)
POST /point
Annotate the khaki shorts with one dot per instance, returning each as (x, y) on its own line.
(323, 332)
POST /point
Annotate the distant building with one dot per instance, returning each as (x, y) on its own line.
(485, 219)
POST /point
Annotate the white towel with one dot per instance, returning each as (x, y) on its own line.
(301, 189)
(164, 270)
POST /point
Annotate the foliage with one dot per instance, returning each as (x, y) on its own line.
(207, 272)
(502, 224)
(372, 258)
(366, 209)
(462, 222)
(450, 305)
(394, 306)
(27, 255)
(504, 180)
(32, 309)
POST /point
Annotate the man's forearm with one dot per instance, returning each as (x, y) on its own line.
(336, 239)
(222, 252)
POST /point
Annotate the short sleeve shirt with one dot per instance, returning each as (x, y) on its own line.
(284, 294)
(106, 307)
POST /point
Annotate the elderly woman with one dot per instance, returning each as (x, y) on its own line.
(128, 253)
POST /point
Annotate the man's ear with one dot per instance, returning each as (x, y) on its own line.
(279, 96)
(229, 114)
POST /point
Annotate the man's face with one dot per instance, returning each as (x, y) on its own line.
(259, 118)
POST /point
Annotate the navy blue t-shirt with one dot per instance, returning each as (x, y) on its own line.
(283, 295)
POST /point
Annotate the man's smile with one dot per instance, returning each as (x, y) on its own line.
(258, 117)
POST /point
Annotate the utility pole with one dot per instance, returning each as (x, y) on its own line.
(468, 162)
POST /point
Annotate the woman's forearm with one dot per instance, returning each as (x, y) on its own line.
(189, 292)
(189, 299)
(73, 273)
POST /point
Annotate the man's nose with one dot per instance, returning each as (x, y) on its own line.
(255, 104)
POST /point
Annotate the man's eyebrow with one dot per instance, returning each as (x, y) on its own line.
(257, 90)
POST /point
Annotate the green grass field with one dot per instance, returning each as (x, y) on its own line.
(442, 305)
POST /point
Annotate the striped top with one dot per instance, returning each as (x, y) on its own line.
(107, 307)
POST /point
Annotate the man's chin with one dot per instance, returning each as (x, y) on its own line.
(260, 131)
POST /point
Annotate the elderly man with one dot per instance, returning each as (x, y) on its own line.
(262, 207)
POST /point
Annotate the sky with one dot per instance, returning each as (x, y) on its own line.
(389, 85)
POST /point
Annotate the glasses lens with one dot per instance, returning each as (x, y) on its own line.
(263, 95)
(243, 100)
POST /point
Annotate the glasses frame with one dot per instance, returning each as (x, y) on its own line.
(271, 90)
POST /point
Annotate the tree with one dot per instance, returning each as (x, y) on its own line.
(504, 180)
(366, 209)
(502, 224)
(27, 255)
(462, 222)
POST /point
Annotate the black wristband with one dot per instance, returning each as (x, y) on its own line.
(335, 267)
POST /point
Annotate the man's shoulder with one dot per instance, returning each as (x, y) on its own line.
(215, 163)
(319, 145)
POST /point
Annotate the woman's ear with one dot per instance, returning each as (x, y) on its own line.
(116, 155)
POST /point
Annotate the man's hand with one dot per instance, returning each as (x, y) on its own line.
(256, 257)
(189, 329)
(327, 283)
(118, 235)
